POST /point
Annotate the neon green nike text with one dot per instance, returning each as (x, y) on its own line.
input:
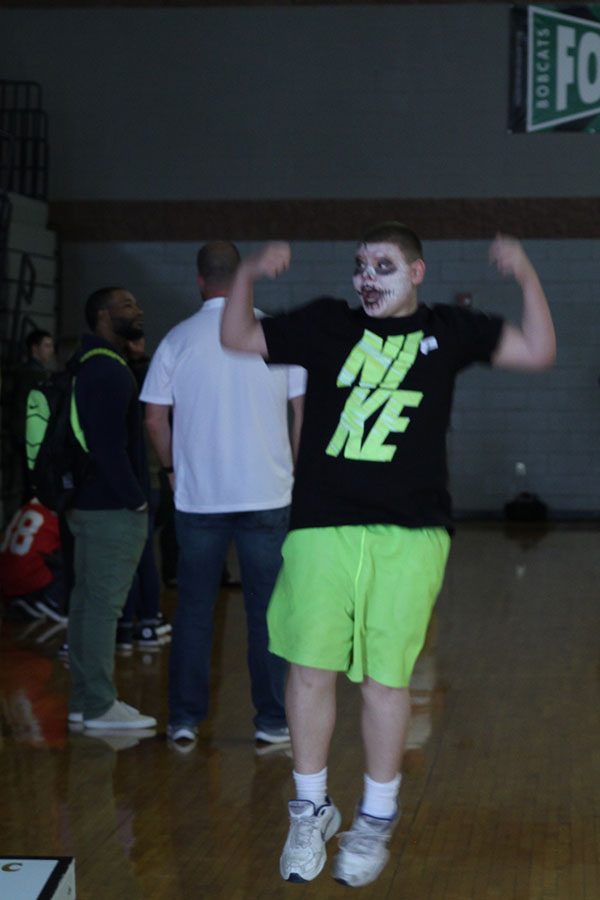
(379, 368)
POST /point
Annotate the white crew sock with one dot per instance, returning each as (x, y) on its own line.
(312, 787)
(380, 799)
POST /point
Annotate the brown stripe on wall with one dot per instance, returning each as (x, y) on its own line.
(140, 4)
(433, 219)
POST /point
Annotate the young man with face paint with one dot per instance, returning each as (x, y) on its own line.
(371, 514)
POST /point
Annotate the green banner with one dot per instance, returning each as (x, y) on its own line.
(555, 71)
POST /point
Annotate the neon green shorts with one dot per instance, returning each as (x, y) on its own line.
(357, 599)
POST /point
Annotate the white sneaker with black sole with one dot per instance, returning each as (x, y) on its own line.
(304, 852)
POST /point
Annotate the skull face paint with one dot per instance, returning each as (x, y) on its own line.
(383, 281)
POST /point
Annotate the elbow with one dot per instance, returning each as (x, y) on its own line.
(544, 358)
(542, 352)
(548, 354)
(550, 359)
(547, 350)
(242, 340)
(227, 343)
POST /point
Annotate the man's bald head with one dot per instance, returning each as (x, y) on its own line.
(216, 262)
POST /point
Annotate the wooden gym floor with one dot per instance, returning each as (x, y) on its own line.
(501, 791)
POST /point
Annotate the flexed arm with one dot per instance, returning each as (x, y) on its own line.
(532, 345)
(240, 330)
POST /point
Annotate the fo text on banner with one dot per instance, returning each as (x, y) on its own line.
(555, 69)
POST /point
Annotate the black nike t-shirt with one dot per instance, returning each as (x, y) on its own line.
(377, 408)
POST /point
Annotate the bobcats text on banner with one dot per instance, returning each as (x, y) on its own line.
(555, 69)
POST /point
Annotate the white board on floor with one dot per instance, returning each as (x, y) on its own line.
(37, 878)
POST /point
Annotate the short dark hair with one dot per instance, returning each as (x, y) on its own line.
(35, 338)
(217, 261)
(395, 233)
(95, 302)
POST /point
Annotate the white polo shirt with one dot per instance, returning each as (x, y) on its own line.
(231, 448)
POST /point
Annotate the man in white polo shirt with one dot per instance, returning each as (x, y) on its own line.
(203, 404)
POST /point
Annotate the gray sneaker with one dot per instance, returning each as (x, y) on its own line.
(273, 734)
(182, 738)
(363, 850)
(121, 716)
(304, 853)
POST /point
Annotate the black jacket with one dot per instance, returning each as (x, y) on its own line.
(109, 413)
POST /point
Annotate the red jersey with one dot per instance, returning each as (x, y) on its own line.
(31, 537)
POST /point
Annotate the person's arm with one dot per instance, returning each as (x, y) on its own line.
(240, 330)
(532, 345)
(297, 405)
(158, 425)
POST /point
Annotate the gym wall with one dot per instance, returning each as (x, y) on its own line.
(174, 124)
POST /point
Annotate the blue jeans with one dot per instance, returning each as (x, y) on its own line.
(203, 539)
(143, 599)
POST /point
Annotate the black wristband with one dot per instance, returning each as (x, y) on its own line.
(168, 470)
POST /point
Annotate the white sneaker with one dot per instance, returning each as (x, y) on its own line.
(304, 851)
(121, 716)
(363, 850)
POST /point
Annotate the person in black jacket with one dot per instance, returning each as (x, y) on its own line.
(109, 515)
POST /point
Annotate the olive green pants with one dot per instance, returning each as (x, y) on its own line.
(108, 547)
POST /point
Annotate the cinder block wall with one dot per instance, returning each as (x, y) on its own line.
(285, 101)
(550, 422)
(275, 102)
